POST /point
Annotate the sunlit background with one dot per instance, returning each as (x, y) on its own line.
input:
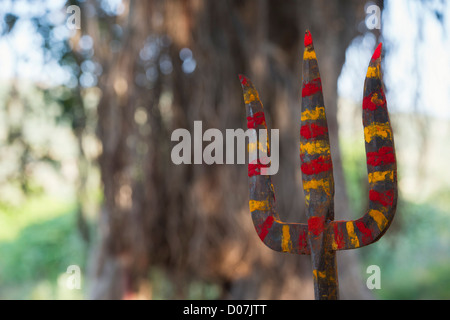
(50, 190)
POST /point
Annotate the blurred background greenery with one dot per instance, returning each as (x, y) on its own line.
(64, 202)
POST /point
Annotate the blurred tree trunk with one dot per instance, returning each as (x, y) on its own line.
(193, 220)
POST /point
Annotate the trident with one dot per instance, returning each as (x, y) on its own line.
(322, 236)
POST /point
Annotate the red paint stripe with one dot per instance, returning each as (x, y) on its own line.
(377, 52)
(254, 169)
(366, 233)
(385, 198)
(338, 237)
(317, 166)
(264, 227)
(316, 225)
(312, 87)
(243, 79)
(384, 156)
(368, 104)
(308, 38)
(257, 119)
(312, 131)
(302, 240)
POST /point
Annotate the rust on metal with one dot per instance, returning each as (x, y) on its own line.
(322, 236)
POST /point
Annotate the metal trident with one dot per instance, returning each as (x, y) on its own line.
(322, 236)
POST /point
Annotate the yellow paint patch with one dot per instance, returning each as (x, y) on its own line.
(259, 205)
(351, 234)
(316, 184)
(251, 95)
(377, 129)
(261, 146)
(379, 218)
(286, 243)
(307, 199)
(319, 274)
(373, 72)
(377, 99)
(309, 55)
(334, 245)
(315, 147)
(318, 113)
(378, 176)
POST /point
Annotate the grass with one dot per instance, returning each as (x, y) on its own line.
(38, 241)
(35, 210)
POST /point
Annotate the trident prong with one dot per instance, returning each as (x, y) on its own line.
(321, 237)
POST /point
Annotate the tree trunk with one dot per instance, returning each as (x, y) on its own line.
(193, 221)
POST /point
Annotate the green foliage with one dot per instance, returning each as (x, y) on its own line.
(414, 256)
(355, 171)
